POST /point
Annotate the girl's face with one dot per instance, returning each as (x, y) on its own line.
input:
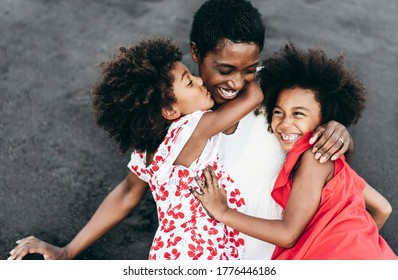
(228, 69)
(190, 93)
(296, 112)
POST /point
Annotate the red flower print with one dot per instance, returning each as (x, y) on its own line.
(196, 208)
(212, 221)
(174, 255)
(229, 179)
(211, 231)
(234, 252)
(233, 237)
(169, 136)
(194, 204)
(212, 250)
(224, 256)
(175, 214)
(160, 214)
(157, 243)
(197, 238)
(195, 251)
(163, 193)
(185, 179)
(221, 241)
(173, 241)
(236, 198)
(190, 225)
(180, 188)
(135, 168)
(175, 137)
(168, 226)
(152, 257)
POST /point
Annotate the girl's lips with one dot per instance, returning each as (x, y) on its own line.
(289, 137)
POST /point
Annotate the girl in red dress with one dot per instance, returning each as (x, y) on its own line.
(329, 211)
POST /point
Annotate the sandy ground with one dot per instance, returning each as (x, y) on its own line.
(56, 166)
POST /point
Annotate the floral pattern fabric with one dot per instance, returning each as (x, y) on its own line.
(185, 230)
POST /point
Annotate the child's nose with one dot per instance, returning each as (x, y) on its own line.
(286, 122)
(199, 81)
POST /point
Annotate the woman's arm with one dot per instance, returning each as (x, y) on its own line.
(303, 203)
(116, 206)
(377, 205)
(331, 141)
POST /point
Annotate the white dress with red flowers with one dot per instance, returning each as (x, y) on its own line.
(185, 230)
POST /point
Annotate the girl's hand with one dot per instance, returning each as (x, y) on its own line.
(33, 245)
(331, 141)
(213, 198)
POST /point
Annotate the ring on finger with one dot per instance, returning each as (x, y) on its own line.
(341, 140)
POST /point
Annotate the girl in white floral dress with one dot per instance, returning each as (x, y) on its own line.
(185, 230)
(173, 135)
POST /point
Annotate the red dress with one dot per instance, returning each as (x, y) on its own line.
(341, 229)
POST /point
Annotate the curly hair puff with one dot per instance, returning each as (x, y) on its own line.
(340, 93)
(134, 87)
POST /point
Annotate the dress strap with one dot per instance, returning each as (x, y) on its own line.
(177, 136)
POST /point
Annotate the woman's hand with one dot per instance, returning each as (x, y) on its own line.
(213, 198)
(33, 245)
(331, 141)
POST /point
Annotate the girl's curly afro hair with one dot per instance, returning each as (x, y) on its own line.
(338, 90)
(134, 86)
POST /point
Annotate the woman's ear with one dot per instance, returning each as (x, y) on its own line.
(170, 114)
(194, 52)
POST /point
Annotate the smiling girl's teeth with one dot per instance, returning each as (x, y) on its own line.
(229, 93)
(289, 137)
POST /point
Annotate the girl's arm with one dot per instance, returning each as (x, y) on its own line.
(303, 203)
(212, 123)
(377, 205)
(231, 112)
(116, 206)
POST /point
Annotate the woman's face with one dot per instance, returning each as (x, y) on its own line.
(228, 69)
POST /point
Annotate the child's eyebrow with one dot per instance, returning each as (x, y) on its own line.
(300, 108)
(184, 74)
(294, 108)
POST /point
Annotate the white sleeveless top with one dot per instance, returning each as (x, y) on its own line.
(253, 158)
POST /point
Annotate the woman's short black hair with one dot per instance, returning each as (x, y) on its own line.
(134, 87)
(234, 20)
(340, 93)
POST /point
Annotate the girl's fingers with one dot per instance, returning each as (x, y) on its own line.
(200, 183)
(213, 177)
(196, 194)
(209, 181)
